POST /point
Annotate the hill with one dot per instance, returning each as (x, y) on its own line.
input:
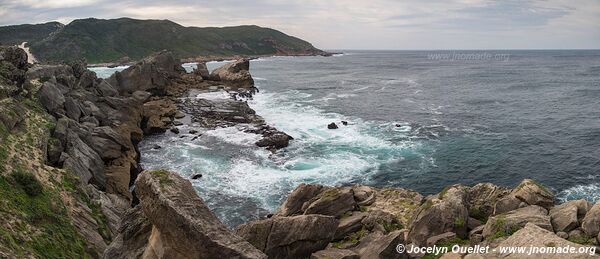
(17, 34)
(100, 40)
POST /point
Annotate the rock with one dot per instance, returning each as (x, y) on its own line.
(132, 240)
(510, 222)
(566, 217)
(15, 56)
(345, 123)
(576, 233)
(434, 240)
(534, 236)
(51, 98)
(473, 223)
(332, 202)
(378, 220)
(105, 89)
(174, 130)
(177, 123)
(196, 176)
(294, 203)
(202, 70)
(475, 239)
(363, 195)
(84, 161)
(482, 197)
(445, 213)
(349, 224)
(379, 245)
(236, 74)
(334, 253)
(276, 141)
(562, 234)
(54, 150)
(534, 193)
(290, 237)
(182, 224)
(401, 203)
(157, 116)
(332, 126)
(152, 74)
(156, 146)
(192, 131)
(506, 204)
(591, 222)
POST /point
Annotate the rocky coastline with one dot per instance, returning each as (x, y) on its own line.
(121, 211)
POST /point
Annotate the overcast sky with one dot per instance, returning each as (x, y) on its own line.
(357, 24)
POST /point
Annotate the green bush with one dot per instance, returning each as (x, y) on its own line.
(28, 182)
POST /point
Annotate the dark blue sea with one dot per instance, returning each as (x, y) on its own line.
(416, 119)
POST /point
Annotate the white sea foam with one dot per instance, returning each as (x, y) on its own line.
(590, 192)
(106, 72)
(234, 135)
(214, 95)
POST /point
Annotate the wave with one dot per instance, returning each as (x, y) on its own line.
(590, 192)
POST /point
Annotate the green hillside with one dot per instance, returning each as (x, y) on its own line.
(17, 34)
(109, 40)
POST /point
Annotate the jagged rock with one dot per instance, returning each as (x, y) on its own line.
(591, 222)
(401, 203)
(332, 125)
(349, 224)
(54, 150)
(14, 55)
(473, 223)
(276, 141)
(434, 240)
(202, 71)
(482, 198)
(294, 203)
(508, 223)
(566, 217)
(84, 161)
(575, 233)
(533, 193)
(445, 213)
(51, 98)
(379, 245)
(158, 116)
(183, 227)
(532, 235)
(236, 74)
(132, 240)
(562, 234)
(363, 195)
(378, 220)
(105, 89)
(334, 253)
(290, 237)
(332, 202)
(506, 204)
(152, 74)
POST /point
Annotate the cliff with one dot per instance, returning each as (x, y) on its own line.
(124, 39)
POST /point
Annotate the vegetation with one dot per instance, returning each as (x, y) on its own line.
(100, 40)
(351, 240)
(27, 182)
(449, 244)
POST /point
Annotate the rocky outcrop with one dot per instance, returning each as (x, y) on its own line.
(448, 212)
(508, 223)
(236, 74)
(153, 74)
(290, 237)
(591, 222)
(173, 222)
(532, 235)
(567, 216)
(13, 64)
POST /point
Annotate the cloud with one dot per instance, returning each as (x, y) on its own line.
(373, 24)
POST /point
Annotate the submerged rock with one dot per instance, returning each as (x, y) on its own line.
(332, 125)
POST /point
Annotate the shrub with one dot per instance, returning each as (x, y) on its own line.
(28, 182)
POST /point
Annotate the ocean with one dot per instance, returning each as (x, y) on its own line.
(416, 119)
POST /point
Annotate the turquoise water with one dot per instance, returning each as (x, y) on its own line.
(414, 122)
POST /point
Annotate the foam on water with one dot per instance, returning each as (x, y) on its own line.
(591, 192)
(106, 72)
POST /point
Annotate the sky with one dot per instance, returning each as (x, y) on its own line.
(357, 24)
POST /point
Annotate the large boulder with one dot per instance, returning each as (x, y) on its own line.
(482, 198)
(534, 193)
(333, 202)
(290, 237)
(84, 161)
(51, 98)
(446, 212)
(235, 74)
(201, 70)
(335, 253)
(534, 236)
(132, 240)
(183, 226)
(508, 223)
(158, 116)
(152, 74)
(296, 201)
(591, 222)
(566, 217)
(401, 203)
(379, 245)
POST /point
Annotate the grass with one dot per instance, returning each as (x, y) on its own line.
(27, 182)
(44, 229)
(500, 229)
(163, 177)
(351, 240)
(582, 240)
